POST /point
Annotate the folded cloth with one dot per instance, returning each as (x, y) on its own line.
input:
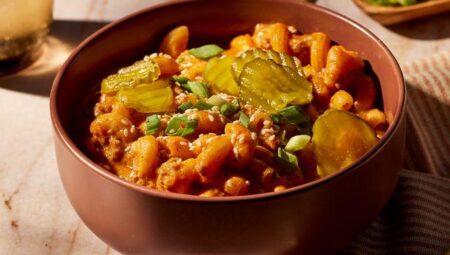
(417, 218)
(415, 221)
(428, 115)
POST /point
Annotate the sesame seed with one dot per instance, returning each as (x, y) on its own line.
(272, 137)
(254, 136)
(124, 121)
(264, 131)
(292, 29)
(125, 132)
(210, 139)
(215, 108)
(133, 129)
(183, 143)
(241, 139)
(247, 182)
(252, 118)
(210, 117)
(188, 111)
(236, 122)
(167, 56)
(235, 151)
(153, 55)
(222, 119)
(233, 138)
(267, 123)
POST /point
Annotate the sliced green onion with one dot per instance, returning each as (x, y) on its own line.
(293, 115)
(283, 137)
(286, 160)
(244, 119)
(227, 109)
(297, 143)
(180, 79)
(152, 124)
(202, 106)
(206, 52)
(198, 88)
(290, 114)
(216, 100)
(181, 126)
(276, 118)
(183, 107)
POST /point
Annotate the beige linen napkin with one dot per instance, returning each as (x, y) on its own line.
(417, 218)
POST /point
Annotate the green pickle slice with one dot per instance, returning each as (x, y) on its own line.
(271, 86)
(339, 139)
(279, 58)
(219, 76)
(143, 71)
(149, 97)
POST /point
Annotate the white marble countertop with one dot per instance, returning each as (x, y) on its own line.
(35, 215)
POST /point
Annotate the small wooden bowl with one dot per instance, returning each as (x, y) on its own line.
(398, 14)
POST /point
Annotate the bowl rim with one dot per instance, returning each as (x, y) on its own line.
(63, 136)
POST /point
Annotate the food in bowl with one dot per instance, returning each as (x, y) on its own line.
(273, 111)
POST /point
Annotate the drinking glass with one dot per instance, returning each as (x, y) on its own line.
(23, 27)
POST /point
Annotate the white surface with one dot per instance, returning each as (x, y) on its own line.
(35, 215)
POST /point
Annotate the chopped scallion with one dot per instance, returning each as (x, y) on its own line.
(206, 52)
(180, 79)
(290, 114)
(202, 106)
(183, 107)
(216, 100)
(297, 143)
(286, 160)
(228, 109)
(244, 119)
(198, 88)
(181, 126)
(152, 124)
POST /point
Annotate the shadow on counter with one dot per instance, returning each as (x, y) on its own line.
(37, 79)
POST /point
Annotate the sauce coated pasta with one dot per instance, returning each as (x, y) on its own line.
(274, 110)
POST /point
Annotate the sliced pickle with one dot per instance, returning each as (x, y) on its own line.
(143, 71)
(304, 92)
(265, 84)
(339, 139)
(279, 58)
(148, 97)
(219, 76)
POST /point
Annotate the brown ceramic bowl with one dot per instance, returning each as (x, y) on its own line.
(315, 218)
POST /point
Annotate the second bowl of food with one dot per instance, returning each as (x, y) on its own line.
(255, 127)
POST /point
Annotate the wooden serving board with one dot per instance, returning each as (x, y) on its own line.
(388, 15)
